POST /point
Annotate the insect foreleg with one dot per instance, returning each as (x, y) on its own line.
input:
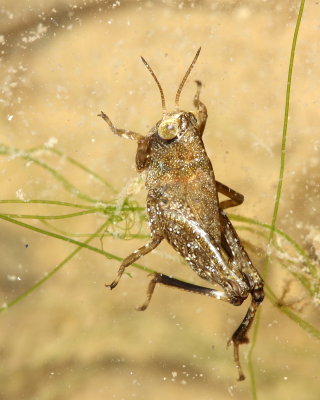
(143, 152)
(121, 132)
(176, 283)
(202, 113)
(235, 198)
(134, 257)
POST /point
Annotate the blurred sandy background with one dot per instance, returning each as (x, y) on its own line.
(61, 63)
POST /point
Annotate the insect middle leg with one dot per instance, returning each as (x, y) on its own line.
(235, 198)
(142, 251)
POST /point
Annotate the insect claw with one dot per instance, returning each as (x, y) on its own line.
(102, 115)
(141, 308)
(236, 356)
(241, 376)
(111, 285)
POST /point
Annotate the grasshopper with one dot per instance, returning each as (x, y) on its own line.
(183, 207)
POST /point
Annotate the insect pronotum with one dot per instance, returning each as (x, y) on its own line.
(183, 208)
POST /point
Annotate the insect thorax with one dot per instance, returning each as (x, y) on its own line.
(177, 153)
(180, 176)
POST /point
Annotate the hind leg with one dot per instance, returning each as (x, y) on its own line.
(176, 283)
(239, 336)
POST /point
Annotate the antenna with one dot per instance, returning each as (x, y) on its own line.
(185, 78)
(163, 102)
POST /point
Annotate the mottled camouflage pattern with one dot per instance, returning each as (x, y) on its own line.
(183, 208)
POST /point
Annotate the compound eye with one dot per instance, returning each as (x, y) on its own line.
(168, 129)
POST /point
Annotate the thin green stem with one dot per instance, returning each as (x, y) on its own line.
(67, 185)
(312, 267)
(288, 312)
(117, 235)
(303, 324)
(41, 281)
(100, 206)
(76, 163)
(54, 235)
(80, 245)
(69, 240)
(63, 216)
(51, 202)
(253, 383)
(289, 264)
(278, 193)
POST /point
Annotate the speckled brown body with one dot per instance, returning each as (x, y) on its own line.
(180, 177)
(183, 208)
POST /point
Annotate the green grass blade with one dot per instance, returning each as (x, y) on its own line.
(278, 193)
(11, 151)
(78, 164)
